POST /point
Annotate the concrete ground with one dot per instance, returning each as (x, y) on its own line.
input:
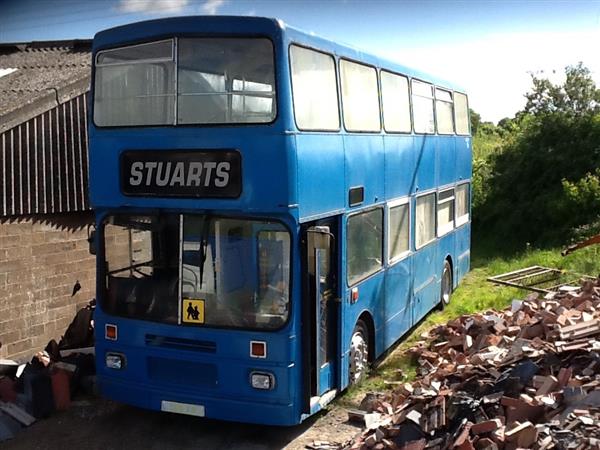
(101, 424)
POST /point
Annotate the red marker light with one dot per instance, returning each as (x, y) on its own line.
(354, 294)
(110, 332)
(258, 349)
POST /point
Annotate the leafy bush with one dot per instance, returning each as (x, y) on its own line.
(538, 185)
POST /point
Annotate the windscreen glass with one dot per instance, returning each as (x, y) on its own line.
(198, 270)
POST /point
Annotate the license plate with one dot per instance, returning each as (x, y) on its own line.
(182, 408)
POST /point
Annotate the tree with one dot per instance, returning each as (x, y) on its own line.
(475, 121)
(542, 186)
(577, 95)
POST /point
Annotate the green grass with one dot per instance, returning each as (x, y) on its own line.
(474, 294)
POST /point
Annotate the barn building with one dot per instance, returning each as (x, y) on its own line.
(44, 207)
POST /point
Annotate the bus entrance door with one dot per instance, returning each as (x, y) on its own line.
(320, 310)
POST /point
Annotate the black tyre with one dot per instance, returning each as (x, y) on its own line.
(446, 285)
(359, 353)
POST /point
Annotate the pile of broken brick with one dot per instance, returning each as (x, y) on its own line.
(47, 383)
(526, 377)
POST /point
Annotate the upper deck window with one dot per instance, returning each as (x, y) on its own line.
(315, 89)
(461, 113)
(396, 103)
(135, 85)
(225, 81)
(443, 111)
(211, 81)
(360, 97)
(422, 97)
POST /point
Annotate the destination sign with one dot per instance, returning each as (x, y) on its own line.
(188, 173)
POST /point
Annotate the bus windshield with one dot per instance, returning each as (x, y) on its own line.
(239, 269)
(186, 81)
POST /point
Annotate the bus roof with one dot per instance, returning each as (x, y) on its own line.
(250, 25)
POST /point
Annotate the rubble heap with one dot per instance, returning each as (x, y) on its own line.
(526, 377)
(47, 383)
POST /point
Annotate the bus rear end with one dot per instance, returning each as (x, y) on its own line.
(189, 177)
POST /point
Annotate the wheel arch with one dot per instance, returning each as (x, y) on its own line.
(449, 259)
(367, 318)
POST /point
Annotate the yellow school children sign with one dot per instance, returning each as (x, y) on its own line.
(193, 310)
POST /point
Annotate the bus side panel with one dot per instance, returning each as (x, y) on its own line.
(446, 245)
(463, 252)
(463, 157)
(364, 166)
(424, 147)
(446, 160)
(320, 173)
(398, 301)
(425, 288)
(399, 166)
(371, 298)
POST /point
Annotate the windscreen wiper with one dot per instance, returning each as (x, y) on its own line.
(203, 246)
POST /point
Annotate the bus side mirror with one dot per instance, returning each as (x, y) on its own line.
(321, 237)
(92, 241)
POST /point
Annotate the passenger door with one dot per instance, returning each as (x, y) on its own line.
(320, 321)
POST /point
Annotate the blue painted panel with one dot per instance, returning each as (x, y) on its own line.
(400, 175)
(463, 253)
(268, 176)
(425, 154)
(425, 287)
(371, 294)
(446, 160)
(398, 301)
(365, 158)
(320, 173)
(446, 248)
(464, 166)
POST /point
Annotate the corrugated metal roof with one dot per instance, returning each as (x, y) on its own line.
(43, 133)
(48, 73)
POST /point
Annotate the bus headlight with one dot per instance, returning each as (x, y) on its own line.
(115, 361)
(262, 380)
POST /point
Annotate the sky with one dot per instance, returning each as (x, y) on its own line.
(490, 47)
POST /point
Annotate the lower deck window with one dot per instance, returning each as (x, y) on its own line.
(364, 245)
(162, 268)
(462, 203)
(399, 232)
(425, 220)
(445, 212)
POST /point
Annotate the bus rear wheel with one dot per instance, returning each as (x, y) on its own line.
(446, 289)
(359, 353)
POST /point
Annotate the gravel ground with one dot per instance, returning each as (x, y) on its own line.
(101, 424)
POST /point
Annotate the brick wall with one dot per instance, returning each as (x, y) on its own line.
(41, 259)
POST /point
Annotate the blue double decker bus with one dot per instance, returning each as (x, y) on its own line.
(273, 212)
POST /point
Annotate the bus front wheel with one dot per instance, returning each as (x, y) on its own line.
(446, 289)
(359, 353)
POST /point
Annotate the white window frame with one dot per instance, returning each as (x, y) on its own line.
(424, 194)
(447, 228)
(461, 220)
(392, 204)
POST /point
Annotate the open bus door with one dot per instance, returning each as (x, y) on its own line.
(320, 313)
